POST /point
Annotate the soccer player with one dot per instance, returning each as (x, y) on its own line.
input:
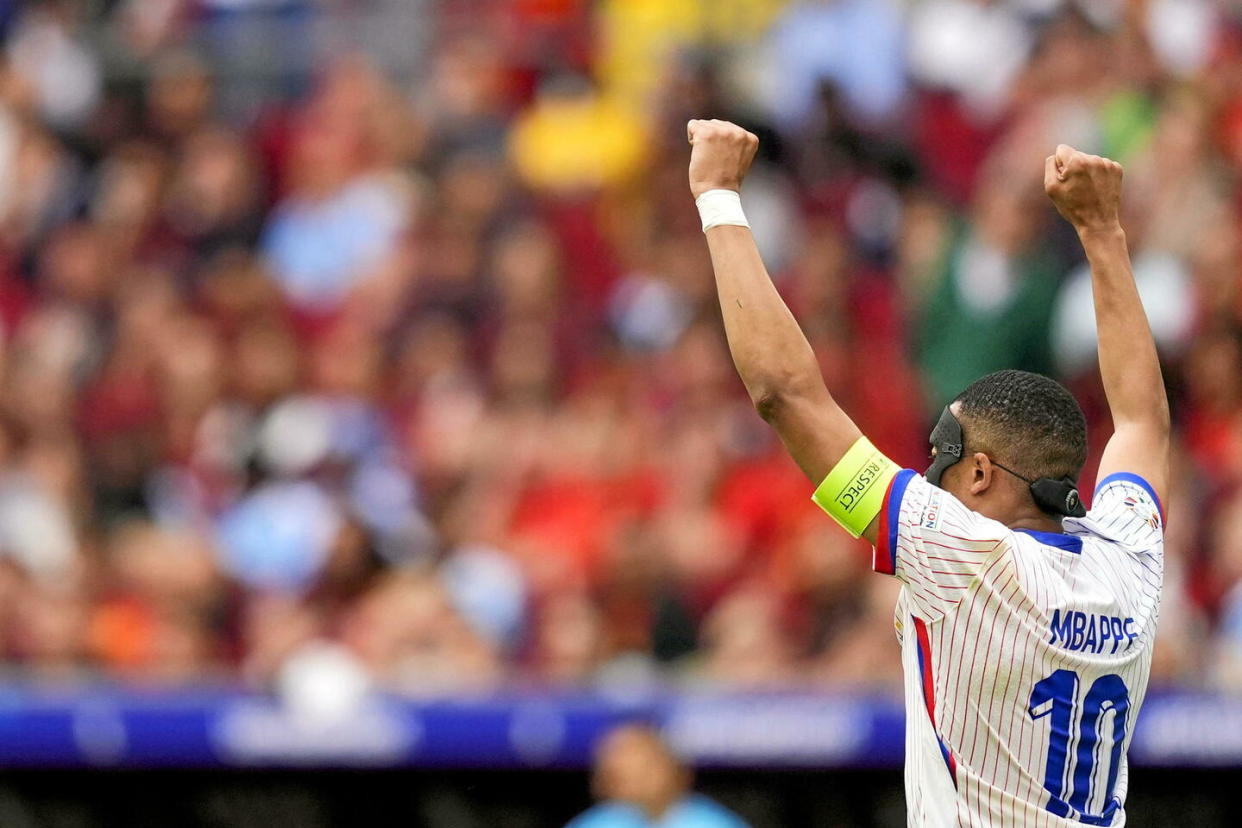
(1026, 621)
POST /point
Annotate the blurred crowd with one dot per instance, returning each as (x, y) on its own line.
(379, 339)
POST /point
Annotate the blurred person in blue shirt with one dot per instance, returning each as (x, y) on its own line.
(641, 784)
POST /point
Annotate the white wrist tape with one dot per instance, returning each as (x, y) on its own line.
(717, 207)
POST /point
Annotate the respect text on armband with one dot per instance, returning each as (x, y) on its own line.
(863, 480)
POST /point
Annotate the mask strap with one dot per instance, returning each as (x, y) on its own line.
(1023, 478)
(1060, 497)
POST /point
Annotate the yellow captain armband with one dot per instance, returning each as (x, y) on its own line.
(853, 492)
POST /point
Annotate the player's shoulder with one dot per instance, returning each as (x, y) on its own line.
(932, 512)
(1125, 511)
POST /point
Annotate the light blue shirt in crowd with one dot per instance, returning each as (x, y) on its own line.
(320, 250)
(692, 812)
(859, 45)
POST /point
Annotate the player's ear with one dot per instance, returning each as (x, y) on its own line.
(981, 472)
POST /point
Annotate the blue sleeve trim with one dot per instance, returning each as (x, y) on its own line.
(1130, 477)
(894, 508)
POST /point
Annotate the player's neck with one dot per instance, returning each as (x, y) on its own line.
(1015, 510)
(1036, 522)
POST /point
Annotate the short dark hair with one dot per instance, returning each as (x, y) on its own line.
(1031, 423)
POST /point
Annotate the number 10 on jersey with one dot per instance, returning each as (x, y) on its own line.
(1073, 720)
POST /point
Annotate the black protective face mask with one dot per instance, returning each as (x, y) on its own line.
(946, 439)
(1057, 497)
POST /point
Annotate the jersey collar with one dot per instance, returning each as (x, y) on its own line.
(1070, 543)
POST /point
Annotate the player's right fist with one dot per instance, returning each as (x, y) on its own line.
(1086, 189)
(720, 155)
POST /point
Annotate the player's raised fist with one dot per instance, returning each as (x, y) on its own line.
(1086, 189)
(720, 155)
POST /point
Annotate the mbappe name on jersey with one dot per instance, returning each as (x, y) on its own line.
(1088, 632)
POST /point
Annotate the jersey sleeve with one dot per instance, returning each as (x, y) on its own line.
(932, 543)
(1125, 509)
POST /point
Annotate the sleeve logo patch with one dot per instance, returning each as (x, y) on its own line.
(931, 513)
(1151, 518)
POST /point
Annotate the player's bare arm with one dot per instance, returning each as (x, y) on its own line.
(1086, 190)
(770, 351)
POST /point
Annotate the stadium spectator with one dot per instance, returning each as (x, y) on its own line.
(643, 785)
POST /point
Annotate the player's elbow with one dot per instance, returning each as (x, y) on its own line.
(768, 402)
(772, 399)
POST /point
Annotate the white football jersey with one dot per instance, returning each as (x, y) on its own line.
(1026, 654)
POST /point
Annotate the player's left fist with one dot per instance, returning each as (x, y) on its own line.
(720, 155)
(1086, 189)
